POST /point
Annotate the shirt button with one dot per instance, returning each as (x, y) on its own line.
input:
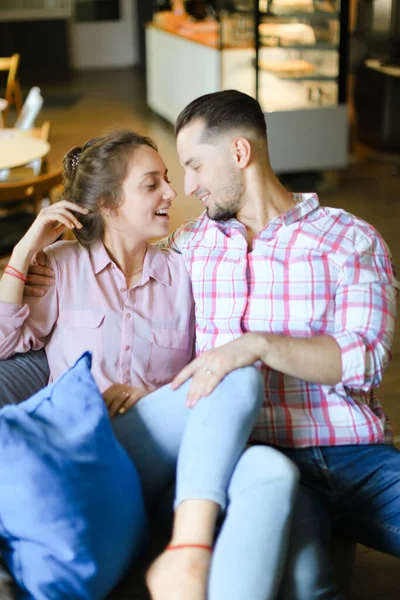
(127, 348)
(122, 290)
(128, 315)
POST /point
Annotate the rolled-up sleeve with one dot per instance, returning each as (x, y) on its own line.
(27, 326)
(365, 310)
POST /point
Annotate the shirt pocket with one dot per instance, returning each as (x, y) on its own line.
(308, 287)
(170, 351)
(81, 331)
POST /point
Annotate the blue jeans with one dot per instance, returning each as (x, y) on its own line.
(354, 490)
(203, 447)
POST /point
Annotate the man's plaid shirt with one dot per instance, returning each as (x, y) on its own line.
(312, 271)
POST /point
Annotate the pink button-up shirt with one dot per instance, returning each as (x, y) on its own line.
(312, 271)
(141, 336)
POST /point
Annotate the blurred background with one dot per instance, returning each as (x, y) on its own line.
(326, 73)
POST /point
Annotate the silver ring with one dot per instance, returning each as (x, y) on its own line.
(209, 372)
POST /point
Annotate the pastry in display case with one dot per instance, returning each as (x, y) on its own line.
(286, 34)
(298, 53)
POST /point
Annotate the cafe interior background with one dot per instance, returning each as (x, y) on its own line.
(326, 72)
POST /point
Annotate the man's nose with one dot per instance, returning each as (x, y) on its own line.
(191, 185)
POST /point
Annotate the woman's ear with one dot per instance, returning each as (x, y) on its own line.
(105, 210)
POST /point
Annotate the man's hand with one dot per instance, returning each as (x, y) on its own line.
(211, 367)
(317, 360)
(40, 276)
(119, 398)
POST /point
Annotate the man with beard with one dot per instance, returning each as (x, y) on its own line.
(309, 292)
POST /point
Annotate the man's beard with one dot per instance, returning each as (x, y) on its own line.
(219, 212)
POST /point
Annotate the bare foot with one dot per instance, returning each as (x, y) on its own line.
(179, 575)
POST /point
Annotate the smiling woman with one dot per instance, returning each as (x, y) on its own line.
(117, 196)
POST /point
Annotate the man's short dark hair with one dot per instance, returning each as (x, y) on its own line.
(222, 112)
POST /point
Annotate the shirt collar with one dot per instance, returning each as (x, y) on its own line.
(305, 204)
(156, 265)
(99, 257)
(155, 262)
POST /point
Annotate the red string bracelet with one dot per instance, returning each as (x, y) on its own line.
(9, 270)
(180, 546)
(14, 269)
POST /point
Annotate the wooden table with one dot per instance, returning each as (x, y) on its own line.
(19, 148)
(3, 106)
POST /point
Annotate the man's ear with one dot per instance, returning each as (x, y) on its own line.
(241, 150)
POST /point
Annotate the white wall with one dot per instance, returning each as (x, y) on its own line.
(107, 43)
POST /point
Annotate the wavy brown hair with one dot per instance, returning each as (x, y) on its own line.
(93, 178)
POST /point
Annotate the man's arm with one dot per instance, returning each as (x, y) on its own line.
(41, 277)
(358, 351)
(354, 354)
(178, 239)
(316, 359)
(365, 310)
(170, 242)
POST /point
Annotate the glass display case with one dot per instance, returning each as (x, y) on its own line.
(289, 54)
(301, 53)
(296, 48)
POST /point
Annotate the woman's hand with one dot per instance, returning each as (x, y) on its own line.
(50, 223)
(119, 398)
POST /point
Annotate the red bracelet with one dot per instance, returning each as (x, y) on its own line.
(14, 269)
(9, 270)
(180, 546)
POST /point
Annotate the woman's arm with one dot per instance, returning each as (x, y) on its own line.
(17, 332)
(50, 223)
(11, 286)
(24, 326)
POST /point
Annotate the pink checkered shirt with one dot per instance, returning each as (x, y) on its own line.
(312, 271)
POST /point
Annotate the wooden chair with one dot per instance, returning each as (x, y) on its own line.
(13, 93)
(30, 192)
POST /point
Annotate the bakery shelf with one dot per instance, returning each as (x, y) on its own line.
(321, 15)
(319, 46)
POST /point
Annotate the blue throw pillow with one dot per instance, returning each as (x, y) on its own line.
(72, 517)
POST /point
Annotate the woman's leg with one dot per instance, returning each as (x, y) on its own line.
(212, 443)
(250, 551)
(209, 440)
